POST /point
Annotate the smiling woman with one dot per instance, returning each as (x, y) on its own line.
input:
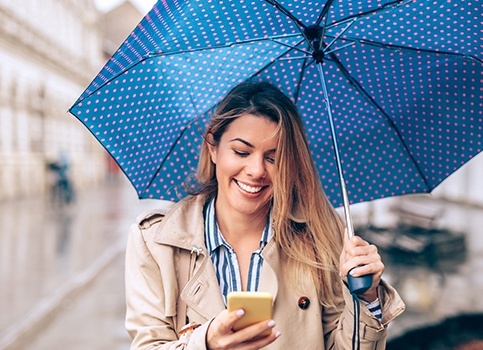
(259, 221)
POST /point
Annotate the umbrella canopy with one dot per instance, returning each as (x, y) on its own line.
(403, 78)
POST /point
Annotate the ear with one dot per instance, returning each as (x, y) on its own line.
(211, 147)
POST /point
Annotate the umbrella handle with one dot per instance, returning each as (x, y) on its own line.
(359, 285)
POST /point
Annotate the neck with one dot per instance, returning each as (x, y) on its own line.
(237, 226)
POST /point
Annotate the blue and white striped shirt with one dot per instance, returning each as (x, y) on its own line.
(224, 257)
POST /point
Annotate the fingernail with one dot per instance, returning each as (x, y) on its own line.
(278, 334)
(240, 312)
(271, 324)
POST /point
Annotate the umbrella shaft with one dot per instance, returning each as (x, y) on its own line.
(345, 197)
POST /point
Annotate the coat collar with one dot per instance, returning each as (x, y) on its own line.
(185, 223)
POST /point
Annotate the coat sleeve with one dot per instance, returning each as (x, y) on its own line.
(150, 317)
(338, 326)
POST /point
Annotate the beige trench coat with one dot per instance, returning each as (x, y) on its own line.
(153, 265)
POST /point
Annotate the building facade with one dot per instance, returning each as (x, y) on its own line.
(49, 52)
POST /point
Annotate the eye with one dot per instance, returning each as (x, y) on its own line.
(241, 153)
(270, 159)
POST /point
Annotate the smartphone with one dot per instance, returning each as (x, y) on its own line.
(258, 307)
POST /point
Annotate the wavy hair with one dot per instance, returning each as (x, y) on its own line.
(306, 227)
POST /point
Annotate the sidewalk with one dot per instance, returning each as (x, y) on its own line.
(62, 270)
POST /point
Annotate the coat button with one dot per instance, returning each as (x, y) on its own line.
(304, 303)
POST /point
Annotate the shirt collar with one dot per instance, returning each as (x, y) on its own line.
(213, 236)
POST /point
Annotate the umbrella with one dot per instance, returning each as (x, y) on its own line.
(401, 83)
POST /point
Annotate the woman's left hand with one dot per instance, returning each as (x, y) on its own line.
(358, 253)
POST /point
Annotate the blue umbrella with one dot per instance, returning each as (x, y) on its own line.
(401, 82)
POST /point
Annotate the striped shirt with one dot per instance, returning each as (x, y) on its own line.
(374, 307)
(226, 263)
(224, 257)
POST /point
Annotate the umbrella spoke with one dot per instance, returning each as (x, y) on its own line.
(287, 13)
(340, 48)
(299, 80)
(324, 13)
(384, 8)
(160, 166)
(275, 39)
(294, 47)
(414, 49)
(327, 47)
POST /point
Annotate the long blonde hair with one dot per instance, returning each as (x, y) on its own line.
(306, 227)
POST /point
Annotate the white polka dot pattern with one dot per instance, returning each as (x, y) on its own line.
(405, 87)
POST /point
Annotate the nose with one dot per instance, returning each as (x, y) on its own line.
(255, 167)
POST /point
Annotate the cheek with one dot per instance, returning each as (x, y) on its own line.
(225, 166)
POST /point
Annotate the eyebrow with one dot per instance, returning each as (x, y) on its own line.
(243, 141)
(248, 143)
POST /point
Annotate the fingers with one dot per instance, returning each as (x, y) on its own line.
(256, 336)
(220, 333)
(359, 253)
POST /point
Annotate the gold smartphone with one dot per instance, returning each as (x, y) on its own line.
(258, 306)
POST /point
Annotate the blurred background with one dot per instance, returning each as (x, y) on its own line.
(65, 207)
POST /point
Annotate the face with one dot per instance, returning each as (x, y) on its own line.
(245, 166)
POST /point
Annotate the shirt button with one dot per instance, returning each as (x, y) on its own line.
(304, 303)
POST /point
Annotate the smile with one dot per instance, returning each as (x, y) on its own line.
(247, 188)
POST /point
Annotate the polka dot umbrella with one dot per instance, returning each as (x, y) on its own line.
(403, 80)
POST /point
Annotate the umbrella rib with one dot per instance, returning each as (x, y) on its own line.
(299, 81)
(324, 12)
(386, 7)
(168, 152)
(294, 47)
(400, 48)
(302, 27)
(338, 35)
(286, 12)
(359, 87)
(216, 47)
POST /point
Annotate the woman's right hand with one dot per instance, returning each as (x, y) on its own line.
(221, 335)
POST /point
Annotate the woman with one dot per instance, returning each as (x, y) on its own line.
(259, 221)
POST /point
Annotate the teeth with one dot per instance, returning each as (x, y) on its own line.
(249, 189)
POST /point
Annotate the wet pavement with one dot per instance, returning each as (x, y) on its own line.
(61, 271)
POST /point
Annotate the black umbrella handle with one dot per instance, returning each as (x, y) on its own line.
(359, 285)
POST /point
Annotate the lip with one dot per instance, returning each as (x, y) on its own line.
(250, 189)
